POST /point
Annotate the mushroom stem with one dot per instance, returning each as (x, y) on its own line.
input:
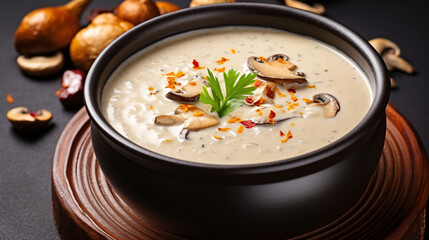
(316, 8)
(390, 52)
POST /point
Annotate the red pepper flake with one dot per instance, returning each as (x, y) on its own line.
(216, 137)
(281, 134)
(277, 106)
(171, 83)
(233, 51)
(288, 136)
(292, 124)
(186, 107)
(248, 123)
(270, 93)
(272, 114)
(179, 74)
(222, 60)
(151, 107)
(257, 83)
(249, 99)
(150, 88)
(195, 63)
(240, 129)
(170, 74)
(10, 99)
(223, 129)
(233, 120)
(33, 114)
(271, 121)
(259, 102)
(263, 59)
(311, 86)
(58, 92)
(259, 111)
(192, 83)
(292, 92)
(280, 93)
(198, 114)
(307, 100)
(220, 69)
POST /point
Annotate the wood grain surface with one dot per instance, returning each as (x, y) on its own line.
(393, 206)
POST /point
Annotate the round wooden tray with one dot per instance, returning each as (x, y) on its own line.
(393, 206)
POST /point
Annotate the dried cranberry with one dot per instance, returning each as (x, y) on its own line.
(71, 95)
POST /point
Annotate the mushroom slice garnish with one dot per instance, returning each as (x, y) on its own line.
(276, 68)
(331, 106)
(316, 8)
(192, 117)
(190, 92)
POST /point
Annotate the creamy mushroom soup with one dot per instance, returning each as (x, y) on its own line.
(307, 95)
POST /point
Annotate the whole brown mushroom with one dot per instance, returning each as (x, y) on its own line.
(166, 7)
(50, 29)
(137, 11)
(90, 41)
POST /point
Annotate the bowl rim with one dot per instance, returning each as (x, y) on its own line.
(316, 157)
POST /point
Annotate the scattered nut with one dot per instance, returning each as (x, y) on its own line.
(71, 92)
(26, 121)
(50, 29)
(90, 41)
(390, 52)
(316, 8)
(97, 11)
(137, 11)
(39, 66)
(166, 7)
(196, 3)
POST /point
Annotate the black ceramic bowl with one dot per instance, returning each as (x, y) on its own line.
(262, 201)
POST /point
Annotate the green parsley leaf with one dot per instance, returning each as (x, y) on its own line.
(237, 88)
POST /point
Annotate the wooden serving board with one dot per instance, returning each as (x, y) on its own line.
(393, 206)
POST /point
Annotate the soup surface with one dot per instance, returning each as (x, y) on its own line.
(285, 123)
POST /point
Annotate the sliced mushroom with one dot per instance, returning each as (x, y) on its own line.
(331, 106)
(276, 68)
(39, 66)
(190, 92)
(316, 8)
(26, 121)
(192, 117)
(390, 52)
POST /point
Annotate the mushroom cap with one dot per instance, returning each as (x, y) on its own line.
(90, 41)
(40, 66)
(331, 106)
(275, 69)
(190, 92)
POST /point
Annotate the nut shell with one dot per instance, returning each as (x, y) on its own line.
(90, 41)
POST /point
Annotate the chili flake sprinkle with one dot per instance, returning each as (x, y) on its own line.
(281, 134)
(233, 120)
(222, 60)
(151, 107)
(280, 93)
(198, 114)
(259, 102)
(307, 100)
(249, 99)
(223, 129)
(257, 83)
(196, 65)
(186, 107)
(240, 129)
(272, 114)
(220, 69)
(259, 111)
(248, 123)
(216, 137)
(192, 83)
(233, 51)
(10, 99)
(311, 86)
(263, 59)
(270, 93)
(292, 106)
(287, 137)
(33, 114)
